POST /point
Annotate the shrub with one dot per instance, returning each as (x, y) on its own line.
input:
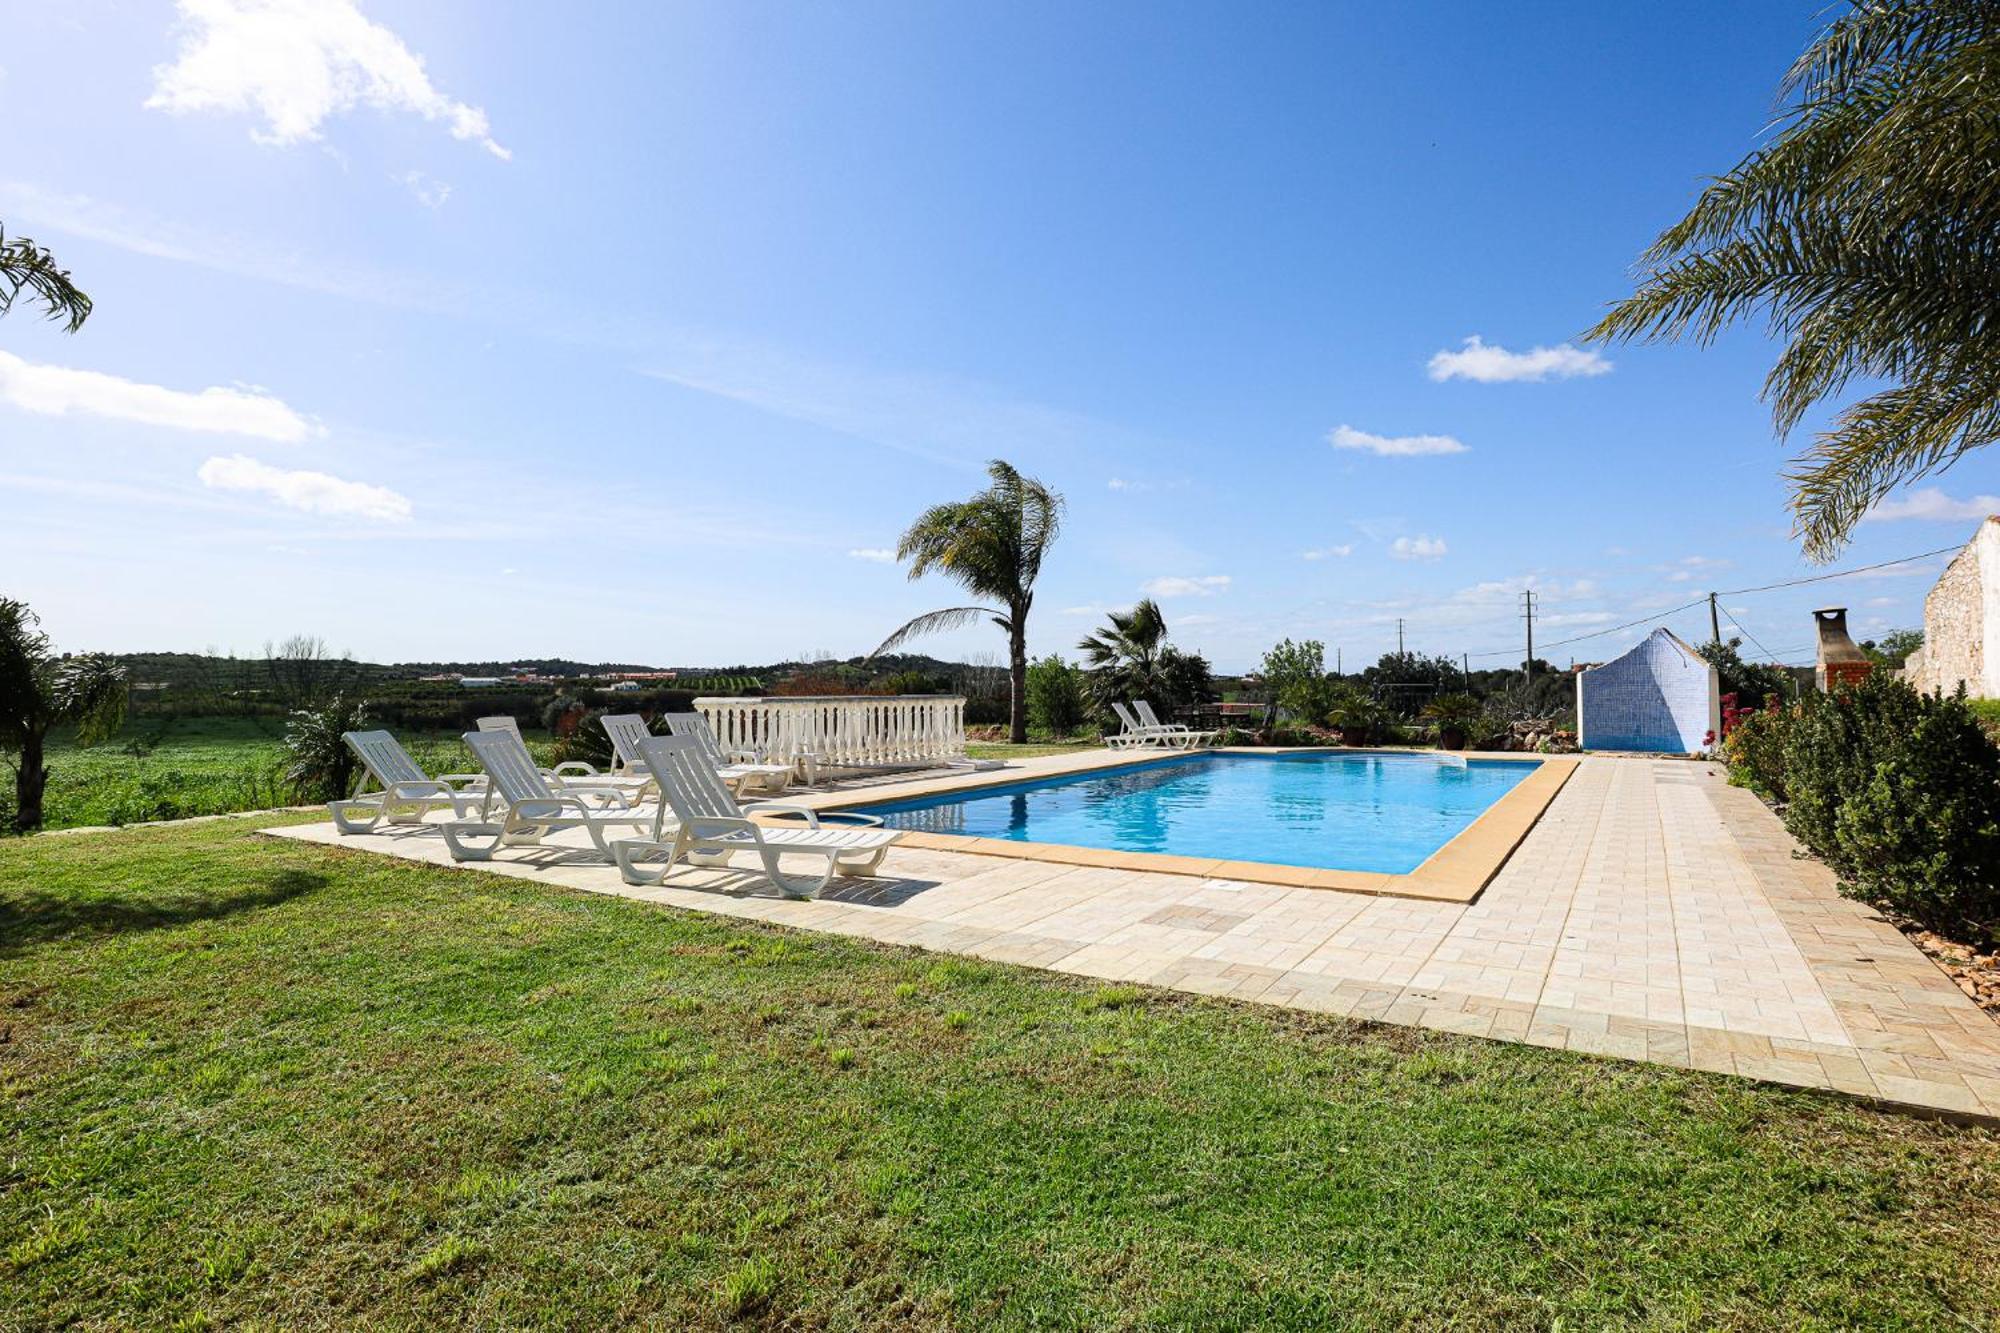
(1922, 835)
(1898, 791)
(1056, 700)
(586, 740)
(318, 763)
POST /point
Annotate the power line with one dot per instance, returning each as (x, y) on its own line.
(1598, 633)
(1841, 574)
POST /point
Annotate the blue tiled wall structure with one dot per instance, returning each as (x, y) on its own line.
(1661, 697)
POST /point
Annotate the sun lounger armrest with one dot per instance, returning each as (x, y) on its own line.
(573, 768)
(782, 808)
(707, 825)
(460, 779)
(411, 791)
(551, 807)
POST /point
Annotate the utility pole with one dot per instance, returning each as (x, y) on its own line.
(1528, 614)
(1338, 669)
(1714, 625)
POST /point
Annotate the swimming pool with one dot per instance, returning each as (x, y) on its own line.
(1380, 812)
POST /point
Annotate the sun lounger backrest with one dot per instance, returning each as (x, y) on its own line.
(687, 779)
(504, 723)
(1125, 718)
(509, 766)
(626, 730)
(385, 760)
(1147, 717)
(694, 728)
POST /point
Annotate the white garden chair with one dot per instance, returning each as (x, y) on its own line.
(1176, 733)
(520, 808)
(708, 826)
(403, 794)
(625, 731)
(740, 770)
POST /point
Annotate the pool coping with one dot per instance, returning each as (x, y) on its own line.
(1455, 872)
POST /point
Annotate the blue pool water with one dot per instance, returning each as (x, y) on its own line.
(1379, 812)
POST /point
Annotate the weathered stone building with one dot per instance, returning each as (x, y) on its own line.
(1962, 622)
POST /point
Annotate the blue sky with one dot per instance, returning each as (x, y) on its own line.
(452, 330)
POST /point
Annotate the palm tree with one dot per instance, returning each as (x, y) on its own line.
(992, 545)
(1867, 231)
(1123, 658)
(38, 692)
(25, 266)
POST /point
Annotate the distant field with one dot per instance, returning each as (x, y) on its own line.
(177, 768)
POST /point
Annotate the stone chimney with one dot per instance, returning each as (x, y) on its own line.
(1840, 661)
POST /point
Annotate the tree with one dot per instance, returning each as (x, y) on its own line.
(1894, 648)
(1295, 676)
(1056, 702)
(305, 672)
(1867, 231)
(1753, 683)
(992, 545)
(39, 692)
(1130, 658)
(27, 267)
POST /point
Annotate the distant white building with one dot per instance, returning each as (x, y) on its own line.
(479, 682)
(1662, 697)
(1962, 622)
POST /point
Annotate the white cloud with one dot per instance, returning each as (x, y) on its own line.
(1204, 585)
(1190, 622)
(880, 555)
(1496, 365)
(1418, 548)
(1934, 505)
(297, 63)
(314, 492)
(58, 391)
(1393, 446)
(1339, 552)
(429, 190)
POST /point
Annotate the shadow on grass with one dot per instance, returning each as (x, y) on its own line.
(34, 918)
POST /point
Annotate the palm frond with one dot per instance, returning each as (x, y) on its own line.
(935, 622)
(27, 267)
(88, 691)
(1866, 234)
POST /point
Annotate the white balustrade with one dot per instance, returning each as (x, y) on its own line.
(815, 732)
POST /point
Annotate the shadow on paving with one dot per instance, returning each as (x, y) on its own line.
(34, 918)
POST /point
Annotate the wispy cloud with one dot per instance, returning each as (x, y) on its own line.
(1174, 585)
(1339, 552)
(1685, 569)
(1418, 548)
(1487, 363)
(1393, 446)
(59, 391)
(880, 555)
(1934, 505)
(427, 189)
(314, 492)
(297, 63)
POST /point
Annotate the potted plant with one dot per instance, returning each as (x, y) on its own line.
(1454, 715)
(1353, 714)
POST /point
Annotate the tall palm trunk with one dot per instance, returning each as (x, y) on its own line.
(31, 780)
(1017, 673)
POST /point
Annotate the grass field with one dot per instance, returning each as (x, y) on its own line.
(174, 768)
(253, 1081)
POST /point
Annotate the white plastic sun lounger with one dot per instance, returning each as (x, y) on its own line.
(709, 826)
(570, 774)
(519, 807)
(1135, 733)
(738, 769)
(1175, 733)
(402, 795)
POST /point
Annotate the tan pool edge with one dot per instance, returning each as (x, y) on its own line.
(1456, 872)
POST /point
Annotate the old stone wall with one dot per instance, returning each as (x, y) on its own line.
(1961, 627)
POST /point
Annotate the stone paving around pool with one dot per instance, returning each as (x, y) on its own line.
(1653, 913)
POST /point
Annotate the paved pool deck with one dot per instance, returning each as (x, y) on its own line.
(1653, 912)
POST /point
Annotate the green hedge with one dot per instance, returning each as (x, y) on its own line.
(1898, 791)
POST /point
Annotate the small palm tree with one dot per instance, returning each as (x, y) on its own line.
(39, 692)
(1123, 658)
(27, 267)
(1865, 231)
(992, 545)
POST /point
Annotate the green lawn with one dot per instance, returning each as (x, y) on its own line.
(252, 1081)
